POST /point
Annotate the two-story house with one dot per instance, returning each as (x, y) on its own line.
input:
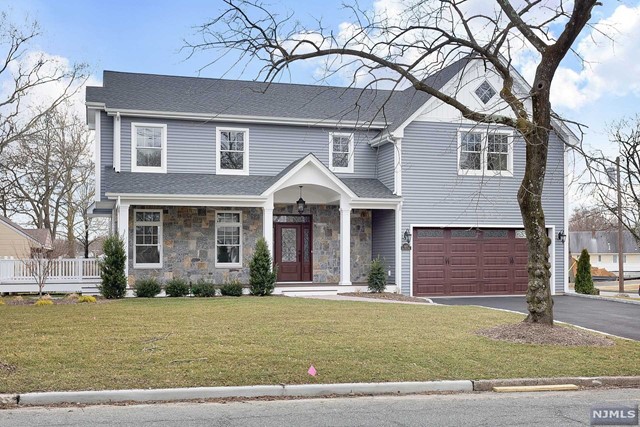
(193, 171)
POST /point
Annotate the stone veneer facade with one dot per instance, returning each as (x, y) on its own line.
(189, 243)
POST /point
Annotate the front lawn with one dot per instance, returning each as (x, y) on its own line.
(139, 343)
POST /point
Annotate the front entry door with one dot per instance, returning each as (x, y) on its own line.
(293, 252)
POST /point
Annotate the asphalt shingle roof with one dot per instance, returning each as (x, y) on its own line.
(601, 242)
(152, 92)
(219, 185)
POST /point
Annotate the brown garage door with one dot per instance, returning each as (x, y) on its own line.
(455, 261)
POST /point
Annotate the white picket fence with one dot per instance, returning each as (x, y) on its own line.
(61, 275)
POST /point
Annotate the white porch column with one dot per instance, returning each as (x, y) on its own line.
(123, 232)
(267, 224)
(398, 247)
(345, 241)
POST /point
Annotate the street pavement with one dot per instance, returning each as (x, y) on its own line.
(471, 409)
(612, 317)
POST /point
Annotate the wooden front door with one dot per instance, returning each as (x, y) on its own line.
(293, 252)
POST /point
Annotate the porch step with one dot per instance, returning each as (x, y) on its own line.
(302, 291)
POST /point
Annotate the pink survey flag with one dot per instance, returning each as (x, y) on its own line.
(312, 371)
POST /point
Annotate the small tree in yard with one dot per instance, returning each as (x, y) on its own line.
(584, 282)
(114, 282)
(262, 276)
(377, 280)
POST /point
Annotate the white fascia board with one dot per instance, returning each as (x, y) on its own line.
(247, 119)
(188, 200)
(370, 203)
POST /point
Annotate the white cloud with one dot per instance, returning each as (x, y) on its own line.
(44, 94)
(610, 51)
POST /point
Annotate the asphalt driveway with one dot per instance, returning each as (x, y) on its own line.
(615, 318)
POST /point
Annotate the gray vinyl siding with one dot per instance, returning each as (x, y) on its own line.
(192, 145)
(434, 193)
(383, 239)
(106, 148)
(386, 165)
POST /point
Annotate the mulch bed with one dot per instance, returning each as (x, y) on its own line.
(528, 333)
(384, 295)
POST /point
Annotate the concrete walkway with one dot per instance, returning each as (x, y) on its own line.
(361, 299)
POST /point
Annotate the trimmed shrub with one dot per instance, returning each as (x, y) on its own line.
(203, 289)
(114, 282)
(177, 288)
(262, 275)
(87, 298)
(147, 288)
(377, 279)
(232, 288)
(584, 281)
(42, 302)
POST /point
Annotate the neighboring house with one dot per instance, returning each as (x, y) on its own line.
(603, 250)
(18, 242)
(193, 171)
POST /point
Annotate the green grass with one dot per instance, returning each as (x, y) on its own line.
(239, 341)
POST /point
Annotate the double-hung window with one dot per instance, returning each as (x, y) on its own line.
(229, 239)
(148, 238)
(341, 152)
(485, 153)
(232, 151)
(148, 147)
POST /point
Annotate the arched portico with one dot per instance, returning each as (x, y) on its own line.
(320, 187)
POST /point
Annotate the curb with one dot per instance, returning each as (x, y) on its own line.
(301, 390)
(622, 300)
(589, 382)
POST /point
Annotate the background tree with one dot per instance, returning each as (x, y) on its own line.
(46, 177)
(592, 218)
(22, 73)
(601, 182)
(417, 39)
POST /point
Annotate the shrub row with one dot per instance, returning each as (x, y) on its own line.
(149, 288)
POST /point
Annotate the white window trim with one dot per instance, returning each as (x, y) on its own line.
(484, 150)
(348, 169)
(134, 151)
(245, 158)
(160, 241)
(226, 224)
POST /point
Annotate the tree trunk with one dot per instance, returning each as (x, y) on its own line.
(539, 301)
(536, 136)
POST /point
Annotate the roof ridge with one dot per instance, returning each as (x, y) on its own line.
(248, 81)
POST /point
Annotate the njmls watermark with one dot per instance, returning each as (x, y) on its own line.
(614, 415)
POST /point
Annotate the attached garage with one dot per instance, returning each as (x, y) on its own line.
(463, 261)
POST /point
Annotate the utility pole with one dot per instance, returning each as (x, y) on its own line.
(620, 238)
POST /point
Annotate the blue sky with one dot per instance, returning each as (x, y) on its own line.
(146, 36)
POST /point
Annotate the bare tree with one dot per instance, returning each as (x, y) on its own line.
(44, 173)
(23, 72)
(594, 218)
(601, 173)
(409, 44)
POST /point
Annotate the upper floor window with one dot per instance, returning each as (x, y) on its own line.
(148, 238)
(485, 153)
(232, 151)
(485, 92)
(148, 147)
(341, 152)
